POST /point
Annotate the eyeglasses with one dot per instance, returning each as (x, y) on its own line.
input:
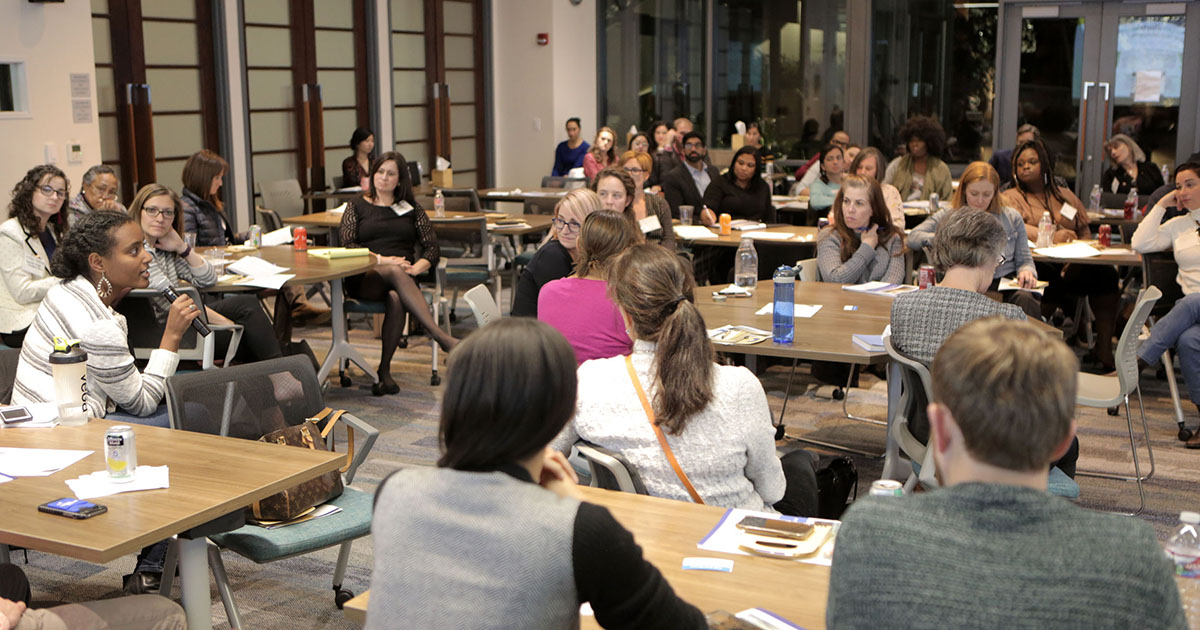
(566, 227)
(52, 192)
(634, 170)
(105, 193)
(153, 212)
(693, 145)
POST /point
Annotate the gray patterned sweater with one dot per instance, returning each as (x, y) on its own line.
(884, 263)
(991, 556)
(921, 320)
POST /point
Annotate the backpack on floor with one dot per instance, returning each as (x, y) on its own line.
(836, 479)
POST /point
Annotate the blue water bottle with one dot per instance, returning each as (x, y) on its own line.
(785, 305)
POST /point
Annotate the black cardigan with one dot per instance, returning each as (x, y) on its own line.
(753, 203)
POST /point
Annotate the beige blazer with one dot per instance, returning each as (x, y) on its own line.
(26, 272)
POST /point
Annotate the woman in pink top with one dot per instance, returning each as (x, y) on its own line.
(578, 305)
(602, 155)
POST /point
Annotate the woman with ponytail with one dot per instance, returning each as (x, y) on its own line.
(713, 418)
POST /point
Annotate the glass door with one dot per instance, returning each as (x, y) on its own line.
(1084, 72)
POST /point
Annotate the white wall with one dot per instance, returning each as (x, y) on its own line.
(540, 86)
(54, 40)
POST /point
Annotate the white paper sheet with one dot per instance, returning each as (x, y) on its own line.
(504, 193)
(1010, 284)
(693, 232)
(338, 210)
(254, 266)
(803, 311)
(1070, 250)
(268, 281)
(1147, 86)
(743, 226)
(99, 484)
(769, 236)
(726, 537)
(277, 237)
(37, 462)
(734, 289)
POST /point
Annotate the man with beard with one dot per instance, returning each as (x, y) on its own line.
(685, 184)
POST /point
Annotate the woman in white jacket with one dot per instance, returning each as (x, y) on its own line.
(37, 221)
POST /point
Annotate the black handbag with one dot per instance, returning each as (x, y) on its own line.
(837, 478)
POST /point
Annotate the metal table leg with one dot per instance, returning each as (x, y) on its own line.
(341, 349)
(193, 574)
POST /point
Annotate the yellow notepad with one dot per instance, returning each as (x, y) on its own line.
(338, 252)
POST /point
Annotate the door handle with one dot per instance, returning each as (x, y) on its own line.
(1104, 120)
(1087, 85)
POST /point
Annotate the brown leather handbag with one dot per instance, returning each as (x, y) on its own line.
(293, 501)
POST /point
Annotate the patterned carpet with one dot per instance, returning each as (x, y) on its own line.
(296, 592)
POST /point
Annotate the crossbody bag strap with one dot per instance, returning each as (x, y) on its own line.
(662, 439)
(334, 416)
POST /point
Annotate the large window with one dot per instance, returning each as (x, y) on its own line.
(938, 59)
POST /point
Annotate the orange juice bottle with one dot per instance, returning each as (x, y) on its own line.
(726, 221)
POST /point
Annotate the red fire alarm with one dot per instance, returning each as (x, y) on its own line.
(543, 39)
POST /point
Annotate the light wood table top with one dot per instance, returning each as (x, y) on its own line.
(534, 223)
(668, 531)
(1113, 219)
(510, 194)
(210, 476)
(801, 235)
(307, 269)
(1121, 256)
(825, 336)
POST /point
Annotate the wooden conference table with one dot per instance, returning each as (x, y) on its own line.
(798, 234)
(311, 270)
(668, 532)
(533, 223)
(1121, 256)
(210, 476)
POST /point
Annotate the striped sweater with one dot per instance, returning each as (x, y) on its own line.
(175, 268)
(73, 310)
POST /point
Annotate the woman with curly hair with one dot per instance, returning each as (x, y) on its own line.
(921, 171)
(37, 221)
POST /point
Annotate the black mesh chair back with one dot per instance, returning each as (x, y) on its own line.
(245, 401)
(8, 372)
(1159, 269)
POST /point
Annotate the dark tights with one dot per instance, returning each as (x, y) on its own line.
(401, 295)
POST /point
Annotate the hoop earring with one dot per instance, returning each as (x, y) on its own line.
(103, 287)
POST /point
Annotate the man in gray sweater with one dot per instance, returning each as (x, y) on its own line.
(991, 548)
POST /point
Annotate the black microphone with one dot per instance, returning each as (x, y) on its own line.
(171, 295)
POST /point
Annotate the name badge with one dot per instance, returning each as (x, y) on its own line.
(1068, 212)
(649, 224)
(402, 208)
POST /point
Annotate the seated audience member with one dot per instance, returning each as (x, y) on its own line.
(388, 220)
(98, 192)
(861, 244)
(809, 172)
(140, 612)
(978, 189)
(822, 191)
(355, 168)
(602, 155)
(851, 152)
(1180, 329)
(992, 548)
(662, 149)
(99, 261)
(578, 306)
(1172, 210)
(716, 416)
(753, 136)
(556, 258)
(1130, 169)
(647, 202)
(870, 163)
(650, 180)
(536, 550)
(740, 192)
(569, 153)
(921, 172)
(36, 224)
(1034, 193)
(203, 210)
(682, 126)
(686, 184)
(639, 142)
(157, 210)
(1002, 160)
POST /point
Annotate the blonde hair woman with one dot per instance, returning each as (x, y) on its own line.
(556, 257)
(1130, 169)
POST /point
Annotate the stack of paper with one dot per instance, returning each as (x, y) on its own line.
(277, 237)
(739, 335)
(693, 232)
(1070, 250)
(36, 462)
(880, 288)
(744, 224)
(259, 273)
(99, 484)
(338, 252)
(727, 538)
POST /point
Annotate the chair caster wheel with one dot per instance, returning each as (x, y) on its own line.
(838, 394)
(1112, 411)
(780, 432)
(341, 596)
(344, 381)
(435, 380)
(1185, 434)
(453, 317)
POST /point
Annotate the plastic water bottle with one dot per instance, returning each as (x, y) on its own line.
(933, 203)
(439, 204)
(1183, 547)
(745, 272)
(1094, 203)
(1166, 172)
(1045, 234)
(784, 308)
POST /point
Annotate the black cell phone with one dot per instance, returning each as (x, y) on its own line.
(72, 508)
(15, 415)
(775, 527)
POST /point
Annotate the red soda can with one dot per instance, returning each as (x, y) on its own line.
(300, 238)
(1130, 206)
(1105, 235)
(926, 276)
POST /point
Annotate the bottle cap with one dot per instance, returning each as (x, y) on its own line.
(1190, 517)
(67, 351)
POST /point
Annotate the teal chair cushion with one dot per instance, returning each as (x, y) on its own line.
(524, 257)
(467, 276)
(265, 545)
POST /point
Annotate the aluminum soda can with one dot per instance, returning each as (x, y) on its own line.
(726, 222)
(926, 276)
(1105, 235)
(886, 488)
(300, 238)
(120, 453)
(256, 235)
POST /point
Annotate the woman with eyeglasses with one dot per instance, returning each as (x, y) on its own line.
(36, 224)
(98, 192)
(622, 189)
(158, 210)
(556, 258)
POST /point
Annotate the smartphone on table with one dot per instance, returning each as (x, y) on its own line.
(14, 415)
(775, 527)
(72, 508)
